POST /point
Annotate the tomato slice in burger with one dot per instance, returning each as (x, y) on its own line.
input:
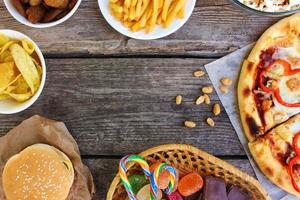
(294, 172)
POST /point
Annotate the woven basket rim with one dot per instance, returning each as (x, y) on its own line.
(197, 151)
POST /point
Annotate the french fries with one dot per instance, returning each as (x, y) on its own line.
(145, 14)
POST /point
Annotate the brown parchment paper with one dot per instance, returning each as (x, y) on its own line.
(38, 129)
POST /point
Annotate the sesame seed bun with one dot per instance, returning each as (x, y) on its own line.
(38, 172)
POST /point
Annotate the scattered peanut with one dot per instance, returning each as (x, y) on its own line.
(199, 73)
(200, 100)
(210, 121)
(190, 124)
(216, 109)
(178, 99)
(223, 89)
(206, 99)
(226, 81)
(207, 90)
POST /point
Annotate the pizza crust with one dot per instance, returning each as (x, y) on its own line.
(284, 33)
(265, 155)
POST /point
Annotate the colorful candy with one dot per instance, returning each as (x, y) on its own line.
(123, 176)
(154, 179)
(174, 196)
(190, 184)
(144, 193)
(163, 178)
(137, 182)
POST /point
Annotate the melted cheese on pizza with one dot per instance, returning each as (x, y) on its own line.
(290, 88)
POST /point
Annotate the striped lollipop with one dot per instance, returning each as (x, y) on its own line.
(154, 179)
(123, 176)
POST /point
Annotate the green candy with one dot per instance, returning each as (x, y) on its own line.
(137, 182)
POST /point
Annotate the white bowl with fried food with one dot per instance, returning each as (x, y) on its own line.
(158, 31)
(11, 106)
(40, 172)
(20, 18)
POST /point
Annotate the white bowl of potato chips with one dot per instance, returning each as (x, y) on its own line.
(22, 72)
(146, 19)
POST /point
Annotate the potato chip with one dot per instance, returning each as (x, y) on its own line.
(6, 57)
(38, 67)
(26, 66)
(21, 97)
(21, 86)
(3, 39)
(7, 74)
(4, 96)
(28, 46)
(6, 46)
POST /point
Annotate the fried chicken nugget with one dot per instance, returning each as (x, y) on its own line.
(19, 7)
(35, 13)
(52, 14)
(57, 3)
(35, 2)
(72, 4)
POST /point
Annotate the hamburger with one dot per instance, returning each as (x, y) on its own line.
(39, 172)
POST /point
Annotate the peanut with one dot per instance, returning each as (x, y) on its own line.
(223, 89)
(216, 109)
(199, 73)
(178, 99)
(210, 122)
(226, 81)
(206, 99)
(200, 100)
(207, 90)
(190, 124)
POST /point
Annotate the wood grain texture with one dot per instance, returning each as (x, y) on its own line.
(104, 171)
(216, 28)
(121, 106)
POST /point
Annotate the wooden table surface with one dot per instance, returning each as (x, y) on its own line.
(116, 95)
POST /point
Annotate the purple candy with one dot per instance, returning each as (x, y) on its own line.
(236, 194)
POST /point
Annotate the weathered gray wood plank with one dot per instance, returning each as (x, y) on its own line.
(120, 106)
(215, 28)
(104, 171)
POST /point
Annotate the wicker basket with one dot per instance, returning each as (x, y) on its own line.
(188, 159)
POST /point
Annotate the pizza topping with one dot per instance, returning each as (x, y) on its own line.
(293, 84)
(266, 105)
(294, 172)
(266, 57)
(280, 68)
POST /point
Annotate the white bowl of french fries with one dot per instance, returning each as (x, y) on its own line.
(22, 72)
(146, 19)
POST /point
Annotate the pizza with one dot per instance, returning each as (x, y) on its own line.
(269, 103)
(269, 84)
(278, 155)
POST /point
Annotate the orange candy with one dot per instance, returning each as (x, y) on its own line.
(190, 184)
(163, 178)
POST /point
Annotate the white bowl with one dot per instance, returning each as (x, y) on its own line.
(11, 106)
(158, 31)
(12, 10)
